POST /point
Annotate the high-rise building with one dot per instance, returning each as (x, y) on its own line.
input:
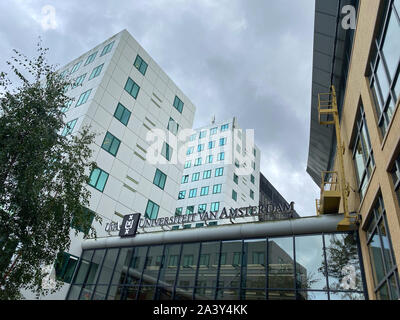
(221, 170)
(357, 51)
(123, 94)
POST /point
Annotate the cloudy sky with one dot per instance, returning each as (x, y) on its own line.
(246, 58)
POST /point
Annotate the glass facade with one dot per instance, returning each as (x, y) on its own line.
(310, 267)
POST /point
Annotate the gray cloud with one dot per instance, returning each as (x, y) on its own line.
(248, 58)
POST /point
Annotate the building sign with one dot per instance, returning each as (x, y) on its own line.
(269, 212)
(129, 225)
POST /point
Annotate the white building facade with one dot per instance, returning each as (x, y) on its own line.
(221, 170)
(122, 94)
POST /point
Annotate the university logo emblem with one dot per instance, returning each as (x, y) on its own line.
(129, 225)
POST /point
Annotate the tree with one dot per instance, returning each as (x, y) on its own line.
(43, 174)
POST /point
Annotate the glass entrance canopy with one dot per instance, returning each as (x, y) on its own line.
(307, 266)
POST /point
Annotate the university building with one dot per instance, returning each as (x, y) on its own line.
(354, 152)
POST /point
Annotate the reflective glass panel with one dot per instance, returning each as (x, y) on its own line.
(152, 265)
(248, 294)
(280, 263)
(146, 293)
(188, 265)
(228, 294)
(375, 254)
(208, 266)
(136, 266)
(170, 266)
(254, 268)
(346, 296)
(108, 266)
(204, 293)
(230, 269)
(281, 295)
(84, 265)
(312, 295)
(391, 46)
(121, 268)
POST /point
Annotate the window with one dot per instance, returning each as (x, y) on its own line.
(173, 126)
(209, 159)
(259, 258)
(111, 144)
(175, 228)
(187, 226)
(178, 211)
(91, 58)
(362, 153)
(252, 179)
(214, 223)
(199, 225)
(190, 210)
(160, 179)
(178, 104)
(200, 147)
(254, 152)
(98, 179)
(65, 266)
(395, 172)
(217, 188)
(224, 127)
(69, 127)
(188, 164)
(76, 66)
(385, 272)
(185, 179)
(192, 193)
(96, 71)
(78, 81)
(204, 191)
(237, 165)
(202, 134)
(221, 156)
(140, 65)
(182, 195)
(83, 98)
(213, 131)
(107, 49)
(222, 141)
(384, 67)
(207, 174)
(214, 207)
(219, 172)
(122, 114)
(192, 137)
(167, 151)
(235, 178)
(132, 88)
(234, 195)
(189, 151)
(151, 210)
(197, 162)
(253, 164)
(202, 208)
(67, 106)
(89, 217)
(211, 145)
(196, 176)
(252, 194)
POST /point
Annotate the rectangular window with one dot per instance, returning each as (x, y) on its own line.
(190, 210)
(111, 144)
(122, 114)
(204, 191)
(132, 88)
(199, 225)
(207, 174)
(76, 66)
(362, 153)
(196, 176)
(200, 147)
(222, 141)
(395, 172)
(221, 156)
(140, 65)
(217, 188)
(67, 106)
(65, 266)
(192, 193)
(185, 179)
(182, 195)
(178, 211)
(151, 210)
(252, 179)
(173, 126)
(167, 151)
(211, 145)
(224, 127)
(91, 58)
(189, 151)
(197, 162)
(234, 195)
(83, 98)
(188, 164)
(98, 179)
(253, 164)
(213, 131)
(79, 81)
(219, 172)
(107, 49)
(202, 134)
(69, 127)
(209, 159)
(235, 178)
(254, 152)
(202, 208)
(159, 179)
(252, 194)
(96, 71)
(192, 137)
(214, 207)
(178, 104)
